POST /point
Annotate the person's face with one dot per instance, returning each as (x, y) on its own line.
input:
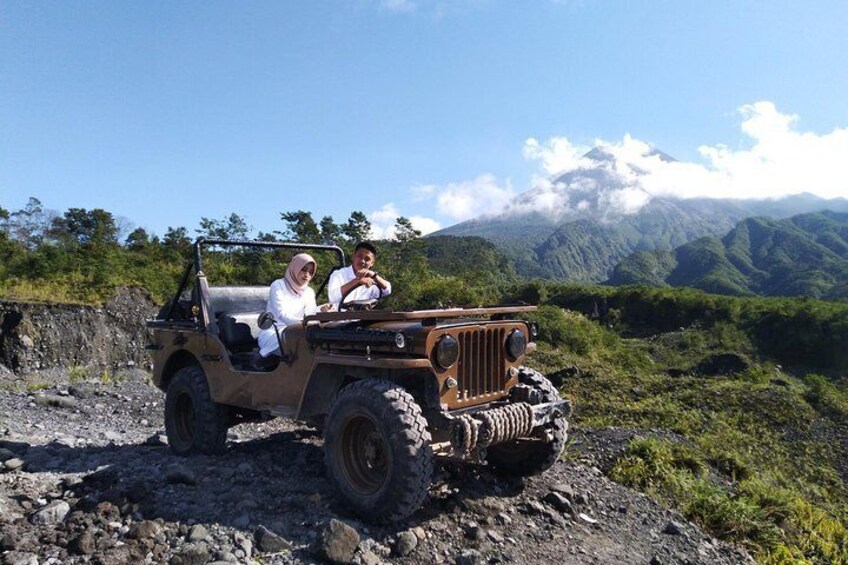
(363, 259)
(305, 275)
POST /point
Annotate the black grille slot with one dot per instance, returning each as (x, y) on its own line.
(482, 363)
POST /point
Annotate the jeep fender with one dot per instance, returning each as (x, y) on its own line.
(328, 378)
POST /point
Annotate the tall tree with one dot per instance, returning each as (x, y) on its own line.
(357, 228)
(232, 227)
(404, 230)
(176, 239)
(137, 240)
(300, 226)
(83, 226)
(331, 232)
(30, 224)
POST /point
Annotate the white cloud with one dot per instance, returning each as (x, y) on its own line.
(557, 155)
(780, 161)
(383, 222)
(480, 196)
(424, 225)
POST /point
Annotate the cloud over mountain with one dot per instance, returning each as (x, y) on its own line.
(779, 161)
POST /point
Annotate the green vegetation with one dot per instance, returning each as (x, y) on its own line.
(755, 454)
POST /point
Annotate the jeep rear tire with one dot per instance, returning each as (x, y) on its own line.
(193, 421)
(377, 450)
(530, 456)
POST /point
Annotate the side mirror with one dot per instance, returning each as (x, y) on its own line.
(265, 320)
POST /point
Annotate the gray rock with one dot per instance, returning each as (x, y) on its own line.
(406, 543)
(20, 558)
(586, 518)
(337, 542)
(564, 489)
(13, 464)
(53, 513)
(495, 536)
(5, 454)
(560, 502)
(179, 474)
(8, 538)
(84, 543)
(198, 533)
(269, 542)
(195, 554)
(244, 543)
(470, 557)
(369, 558)
(112, 436)
(473, 531)
(146, 529)
(673, 528)
(55, 400)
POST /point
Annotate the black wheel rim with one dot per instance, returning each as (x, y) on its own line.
(185, 418)
(365, 455)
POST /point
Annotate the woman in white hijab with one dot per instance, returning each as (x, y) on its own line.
(290, 299)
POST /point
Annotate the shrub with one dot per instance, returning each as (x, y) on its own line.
(570, 330)
(823, 395)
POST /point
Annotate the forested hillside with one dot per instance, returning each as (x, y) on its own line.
(82, 256)
(806, 255)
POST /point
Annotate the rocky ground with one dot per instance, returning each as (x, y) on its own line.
(86, 477)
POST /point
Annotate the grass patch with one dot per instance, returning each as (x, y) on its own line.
(77, 374)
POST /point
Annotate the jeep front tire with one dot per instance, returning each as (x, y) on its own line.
(377, 450)
(193, 421)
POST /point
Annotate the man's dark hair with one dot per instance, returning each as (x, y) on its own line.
(365, 245)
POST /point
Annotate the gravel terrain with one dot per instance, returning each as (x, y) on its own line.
(86, 477)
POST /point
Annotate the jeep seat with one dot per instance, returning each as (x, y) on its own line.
(237, 310)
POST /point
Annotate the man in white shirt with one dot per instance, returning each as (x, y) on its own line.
(359, 279)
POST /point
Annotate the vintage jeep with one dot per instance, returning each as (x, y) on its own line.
(392, 390)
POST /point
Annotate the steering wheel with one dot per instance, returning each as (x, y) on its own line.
(359, 305)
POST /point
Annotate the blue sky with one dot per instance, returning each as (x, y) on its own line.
(166, 112)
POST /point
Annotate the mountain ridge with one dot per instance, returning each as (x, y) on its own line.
(804, 255)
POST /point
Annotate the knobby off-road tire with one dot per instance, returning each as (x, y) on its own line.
(524, 458)
(193, 421)
(377, 450)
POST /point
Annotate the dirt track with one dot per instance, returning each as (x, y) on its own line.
(87, 478)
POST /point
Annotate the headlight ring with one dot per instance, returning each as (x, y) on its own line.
(516, 344)
(447, 351)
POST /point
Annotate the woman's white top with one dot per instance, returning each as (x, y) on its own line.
(288, 308)
(361, 293)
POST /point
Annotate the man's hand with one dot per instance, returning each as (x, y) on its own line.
(365, 273)
(367, 281)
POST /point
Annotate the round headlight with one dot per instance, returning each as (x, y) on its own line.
(516, 343)
(447, 351)
(400, 340)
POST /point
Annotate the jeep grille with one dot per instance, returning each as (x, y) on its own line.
(482, 362)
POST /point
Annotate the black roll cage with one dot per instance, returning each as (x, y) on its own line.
(196, 264)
